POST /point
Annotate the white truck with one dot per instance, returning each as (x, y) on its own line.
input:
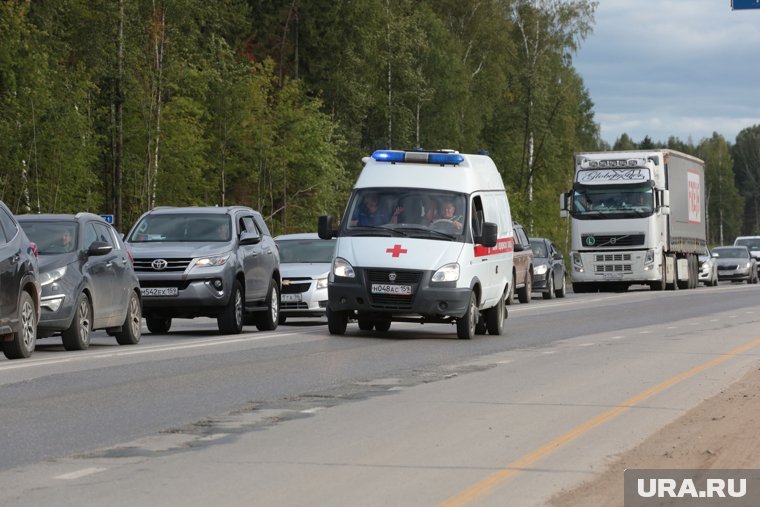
(637, 217)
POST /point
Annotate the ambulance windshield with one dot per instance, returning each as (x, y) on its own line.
(409, 212)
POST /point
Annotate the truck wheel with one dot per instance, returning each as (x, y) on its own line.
(549, 294)
(466, 324)
(269, 319)
(25, 339)
(336, 321)
(131, 329)
(495, 318)
(158, 325)
(77, 336)
(524, 294)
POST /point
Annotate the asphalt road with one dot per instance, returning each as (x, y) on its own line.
(410, 417)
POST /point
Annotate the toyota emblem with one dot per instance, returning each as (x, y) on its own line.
(392, 276)
(159, 264)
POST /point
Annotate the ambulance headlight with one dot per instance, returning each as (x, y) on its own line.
(447, 273)
(343, 268)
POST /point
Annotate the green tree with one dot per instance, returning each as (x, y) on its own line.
(746, 154)
(723, 206)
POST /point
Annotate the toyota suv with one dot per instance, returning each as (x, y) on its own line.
(218, 262)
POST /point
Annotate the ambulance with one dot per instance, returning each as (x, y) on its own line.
(426, 237)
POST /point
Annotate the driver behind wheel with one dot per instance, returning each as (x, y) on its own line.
(448, 212)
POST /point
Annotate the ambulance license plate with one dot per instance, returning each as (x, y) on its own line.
(395, 290)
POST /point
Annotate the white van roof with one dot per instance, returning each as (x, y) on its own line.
(444, 170)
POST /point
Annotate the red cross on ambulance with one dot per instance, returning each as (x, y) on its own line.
(396, 250)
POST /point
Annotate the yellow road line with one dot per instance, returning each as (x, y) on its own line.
(485, 486)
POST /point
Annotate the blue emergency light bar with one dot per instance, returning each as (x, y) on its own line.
(420, 157)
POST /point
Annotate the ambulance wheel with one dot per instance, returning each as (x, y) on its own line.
(365, 323)
(467, 323)
(495, 318)
(336, 322)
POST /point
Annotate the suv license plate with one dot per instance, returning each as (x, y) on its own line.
(158, 291)
(398, 290)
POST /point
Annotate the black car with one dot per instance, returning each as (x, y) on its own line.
(87, 278)
(19, 288)
(548, 268)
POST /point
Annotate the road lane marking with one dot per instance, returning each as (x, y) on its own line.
(79, 474)
(487, 485)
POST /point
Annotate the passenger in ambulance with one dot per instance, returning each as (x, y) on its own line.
(369, 212)
(431, 211)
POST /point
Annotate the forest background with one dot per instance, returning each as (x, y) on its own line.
(118, 106)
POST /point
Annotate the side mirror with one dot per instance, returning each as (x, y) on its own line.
(714, 254)
(518, 247)
(557, 256)
(563, 207)
(98, 248)
(249, 238)
(325, 228)
(490, 235)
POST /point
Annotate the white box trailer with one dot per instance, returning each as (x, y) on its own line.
(637, 217)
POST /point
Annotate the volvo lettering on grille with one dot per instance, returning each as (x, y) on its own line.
(159, 264)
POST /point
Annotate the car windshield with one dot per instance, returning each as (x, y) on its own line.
(192, 227)
(411, 212)
(305, 250)
(732, 253)
(751, 243)
(539, 249)
(52, 237)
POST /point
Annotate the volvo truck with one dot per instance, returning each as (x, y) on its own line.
(637, 217)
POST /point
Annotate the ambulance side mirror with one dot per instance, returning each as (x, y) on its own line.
(324, 227)
(490, 234)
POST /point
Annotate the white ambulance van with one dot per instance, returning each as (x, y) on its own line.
(426, 237)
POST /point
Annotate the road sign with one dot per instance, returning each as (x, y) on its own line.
(745, 4)
(108, 218)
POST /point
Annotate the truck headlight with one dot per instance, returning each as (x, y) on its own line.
(343, 268)
(577, 261)
(447, 273)
(51, 276)
(649, 260)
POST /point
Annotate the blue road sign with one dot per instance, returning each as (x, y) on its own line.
(108, 218)
(745, 4)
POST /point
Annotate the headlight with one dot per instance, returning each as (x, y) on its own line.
(52, 276)
(540, 269)
(322, 283)
(215, 260)
(749, 265)
(447, 273)
(649, 258)
(343, 268)
(577, 262)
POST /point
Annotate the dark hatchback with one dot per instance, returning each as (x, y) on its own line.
(548, 268)
(19, 289)
(87, 278)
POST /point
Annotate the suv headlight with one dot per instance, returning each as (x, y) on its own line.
(343, 268)
(212, 260)
(447, 273)
(51, 276)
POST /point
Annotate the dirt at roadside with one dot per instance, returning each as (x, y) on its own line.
(721, 432)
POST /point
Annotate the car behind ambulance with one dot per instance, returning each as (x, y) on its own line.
(426, 237)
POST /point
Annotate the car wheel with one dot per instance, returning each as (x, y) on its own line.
(131, 330)
(382, 325)
(77, 336)
(495, 318)
(562, 291)
(25, 339)
(549, 294)
(523, 295)
(268, 320)
(511, 293)
(231, 319)
(158, 325)
(467, 323)
(336, 321)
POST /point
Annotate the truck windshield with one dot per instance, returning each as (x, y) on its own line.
(414, 212)
(617, 202)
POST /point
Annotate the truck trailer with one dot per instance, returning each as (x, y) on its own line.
(637, 217)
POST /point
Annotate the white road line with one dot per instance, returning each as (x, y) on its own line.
(79, 474)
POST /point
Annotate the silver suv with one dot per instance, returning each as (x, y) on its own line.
(218, 262)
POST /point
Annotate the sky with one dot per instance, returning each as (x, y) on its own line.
(683, 68)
